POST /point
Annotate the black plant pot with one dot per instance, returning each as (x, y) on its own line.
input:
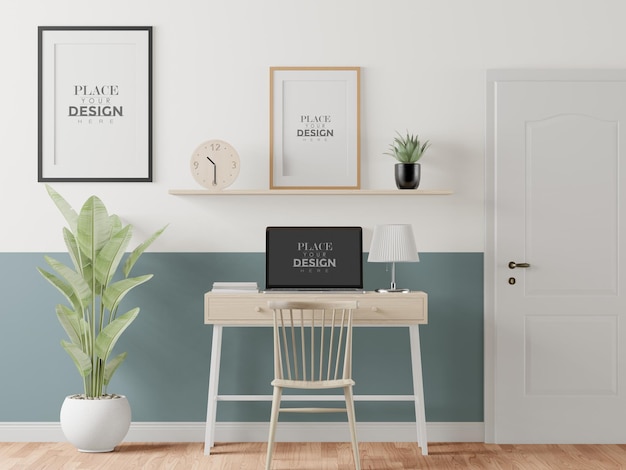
(407, 175)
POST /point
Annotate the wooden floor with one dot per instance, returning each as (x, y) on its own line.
(313, 456)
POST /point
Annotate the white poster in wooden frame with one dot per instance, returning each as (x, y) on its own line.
(315, 128)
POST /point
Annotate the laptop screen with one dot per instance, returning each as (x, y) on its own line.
(314, 258)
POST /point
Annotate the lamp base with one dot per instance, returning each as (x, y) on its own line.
(393, 291)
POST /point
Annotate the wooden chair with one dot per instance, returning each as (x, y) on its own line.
(313, 351)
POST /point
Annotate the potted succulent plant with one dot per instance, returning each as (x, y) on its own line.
(407, 151)
(94, 421)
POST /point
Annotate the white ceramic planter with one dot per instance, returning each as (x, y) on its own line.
(95, 425)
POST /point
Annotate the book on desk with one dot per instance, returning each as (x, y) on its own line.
(235, 288)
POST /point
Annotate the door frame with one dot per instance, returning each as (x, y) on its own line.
(494, 76)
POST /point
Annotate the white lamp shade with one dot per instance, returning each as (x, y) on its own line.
(393, 243)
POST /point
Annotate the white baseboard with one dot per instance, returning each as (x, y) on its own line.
(257, 432)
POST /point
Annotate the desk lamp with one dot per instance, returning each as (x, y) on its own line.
(393, 244)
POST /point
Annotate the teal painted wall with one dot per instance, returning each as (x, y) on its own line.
(166, 373)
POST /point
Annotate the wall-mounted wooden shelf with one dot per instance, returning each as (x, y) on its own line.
(310, 192)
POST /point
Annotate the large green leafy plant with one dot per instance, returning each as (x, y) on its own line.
(407, 149)
(96, 243)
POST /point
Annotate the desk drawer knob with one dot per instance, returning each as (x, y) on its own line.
(374, 309)
(257, 309)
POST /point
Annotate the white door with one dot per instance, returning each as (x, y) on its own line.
(555, 331)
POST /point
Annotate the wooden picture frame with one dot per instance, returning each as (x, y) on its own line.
(315, 128)
(95, 103)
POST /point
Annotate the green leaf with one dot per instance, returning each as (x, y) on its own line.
(105, 342)
(137, 252)
(80, 289)
(63, 287)
(109, 257)
(115, 292)
(94, 227)
(80, 262)
(81, 360)
(116, 223)
(416, 154)
(70, 214)
(74, 325)
(112, 366)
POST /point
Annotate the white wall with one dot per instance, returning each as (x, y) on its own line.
(423, 69)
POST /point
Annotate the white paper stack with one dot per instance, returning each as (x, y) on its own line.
(235, 287)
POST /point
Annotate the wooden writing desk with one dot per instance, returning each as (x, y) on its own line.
(397, 310)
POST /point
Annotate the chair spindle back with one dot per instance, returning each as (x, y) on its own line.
(313, 340)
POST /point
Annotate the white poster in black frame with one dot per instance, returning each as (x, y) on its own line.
(95, 103)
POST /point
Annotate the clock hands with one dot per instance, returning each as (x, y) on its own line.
(214, 171)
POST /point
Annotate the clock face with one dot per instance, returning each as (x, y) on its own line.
(215, 164)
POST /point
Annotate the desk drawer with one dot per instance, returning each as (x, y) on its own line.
(374, 309)
(392, 309)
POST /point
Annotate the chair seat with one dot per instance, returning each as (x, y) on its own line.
(313, 384)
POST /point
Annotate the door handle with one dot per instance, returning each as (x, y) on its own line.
(513, 265)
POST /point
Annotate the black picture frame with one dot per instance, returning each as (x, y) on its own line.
(94, 103)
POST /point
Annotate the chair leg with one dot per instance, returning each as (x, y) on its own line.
(352, 423)
(278, 391)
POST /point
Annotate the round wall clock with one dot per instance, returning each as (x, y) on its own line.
(215, 164)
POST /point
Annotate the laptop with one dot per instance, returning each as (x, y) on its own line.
(309, 259)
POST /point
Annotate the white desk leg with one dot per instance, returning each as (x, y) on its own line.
(418, 387)
(214, 379)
